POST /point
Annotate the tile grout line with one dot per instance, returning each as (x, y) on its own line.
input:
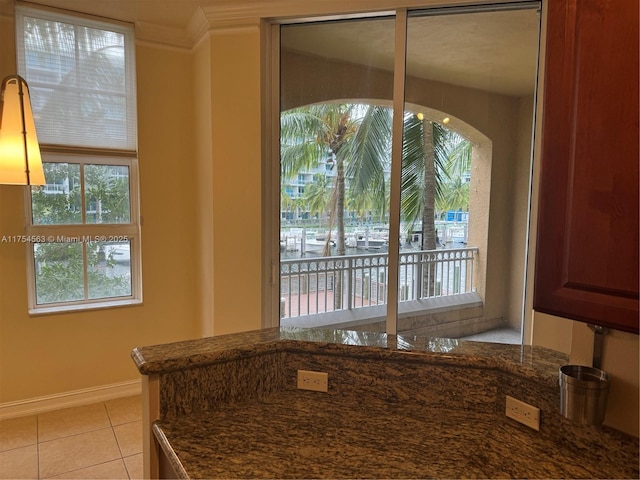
(124, 464)
(77, 434)
(40, 442)
(82, 468)
(113, 431)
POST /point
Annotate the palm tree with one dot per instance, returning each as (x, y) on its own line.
(362, 204)
(356, 137)
(316, 196)
(286, 202)
(457, 190)
(431, 155)
(455, 195)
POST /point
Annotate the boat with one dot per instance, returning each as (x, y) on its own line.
(323, 235)
(369, 241)
(311, 245)
(288, 244)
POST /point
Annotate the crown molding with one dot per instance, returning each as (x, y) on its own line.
(198, 26)
(237, 15)
(226, 11)
(243, 16)
(204, 21)
(163, 35)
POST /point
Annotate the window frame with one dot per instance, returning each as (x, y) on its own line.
(82, 156)
(271, 310)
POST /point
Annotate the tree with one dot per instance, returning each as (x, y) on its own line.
(59, 202)
(455, 195)
(60, 272)
(356, 136)
(60, 265)
(107, 192)
(81, 100)
(430, 153)
(317, 195)
(359, 138)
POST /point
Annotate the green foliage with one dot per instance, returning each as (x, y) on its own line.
(359, 137)
(317, 195)
(60, 272)
(451, 158)
(107, 194)
(90, 98)
(59, 202)
(455, 196)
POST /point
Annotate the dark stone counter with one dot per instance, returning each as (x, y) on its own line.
(311, 435)
(397, 407)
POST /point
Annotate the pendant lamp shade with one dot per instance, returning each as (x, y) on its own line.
(20, 160)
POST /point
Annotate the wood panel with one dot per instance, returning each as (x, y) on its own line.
(587, 251)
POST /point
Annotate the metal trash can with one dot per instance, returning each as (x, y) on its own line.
(583, 394)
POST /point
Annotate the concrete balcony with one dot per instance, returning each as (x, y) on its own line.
(437, 294)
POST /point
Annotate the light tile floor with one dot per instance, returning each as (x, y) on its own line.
(101, 441)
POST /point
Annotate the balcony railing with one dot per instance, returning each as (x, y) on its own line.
(310, 286)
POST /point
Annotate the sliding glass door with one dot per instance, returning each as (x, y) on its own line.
(421, 232)
(335, 145)
(467, 147)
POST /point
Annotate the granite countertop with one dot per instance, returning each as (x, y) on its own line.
(535, 363)
(311, 435)
(445, 419)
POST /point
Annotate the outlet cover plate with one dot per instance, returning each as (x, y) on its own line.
(523, 412)
(316, 381)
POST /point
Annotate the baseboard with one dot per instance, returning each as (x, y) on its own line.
(75, 398)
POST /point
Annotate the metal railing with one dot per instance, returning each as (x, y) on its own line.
(327, 284)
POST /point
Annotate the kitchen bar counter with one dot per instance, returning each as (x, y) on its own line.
(396, 407)
(310, 435)
(536, 363)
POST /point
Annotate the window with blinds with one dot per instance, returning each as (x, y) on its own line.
(83, 225)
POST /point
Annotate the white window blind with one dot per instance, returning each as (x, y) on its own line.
(81, 78)
(84, 222)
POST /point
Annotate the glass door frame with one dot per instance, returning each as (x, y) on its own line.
(271, 146)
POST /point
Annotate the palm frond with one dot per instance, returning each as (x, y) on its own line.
(368, 153)
(412, 176)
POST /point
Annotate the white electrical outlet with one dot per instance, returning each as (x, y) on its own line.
(317, 381)
(523, 412)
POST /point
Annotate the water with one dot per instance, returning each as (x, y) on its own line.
(297, 254)
(450, 236)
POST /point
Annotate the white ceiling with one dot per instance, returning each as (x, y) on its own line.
(492, 51)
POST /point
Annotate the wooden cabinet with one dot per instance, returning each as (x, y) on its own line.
(587, 248)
